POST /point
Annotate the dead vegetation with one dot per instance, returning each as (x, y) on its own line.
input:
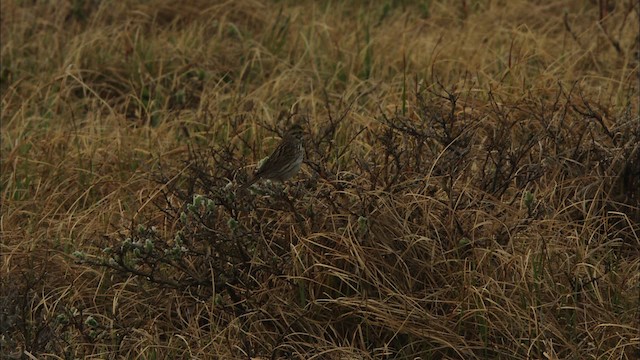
(471, 188)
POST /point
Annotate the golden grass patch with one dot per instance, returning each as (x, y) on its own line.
(471, 187)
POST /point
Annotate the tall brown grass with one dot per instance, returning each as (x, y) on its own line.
(471, 188)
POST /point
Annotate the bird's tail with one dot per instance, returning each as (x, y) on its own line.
(246, 185)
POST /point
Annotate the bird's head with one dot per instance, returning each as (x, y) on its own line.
(295, 131)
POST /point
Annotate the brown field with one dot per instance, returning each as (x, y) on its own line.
(471, 188)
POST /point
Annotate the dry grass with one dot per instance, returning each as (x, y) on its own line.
(471, 188)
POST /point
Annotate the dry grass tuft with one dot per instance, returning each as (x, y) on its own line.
(471, 188)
